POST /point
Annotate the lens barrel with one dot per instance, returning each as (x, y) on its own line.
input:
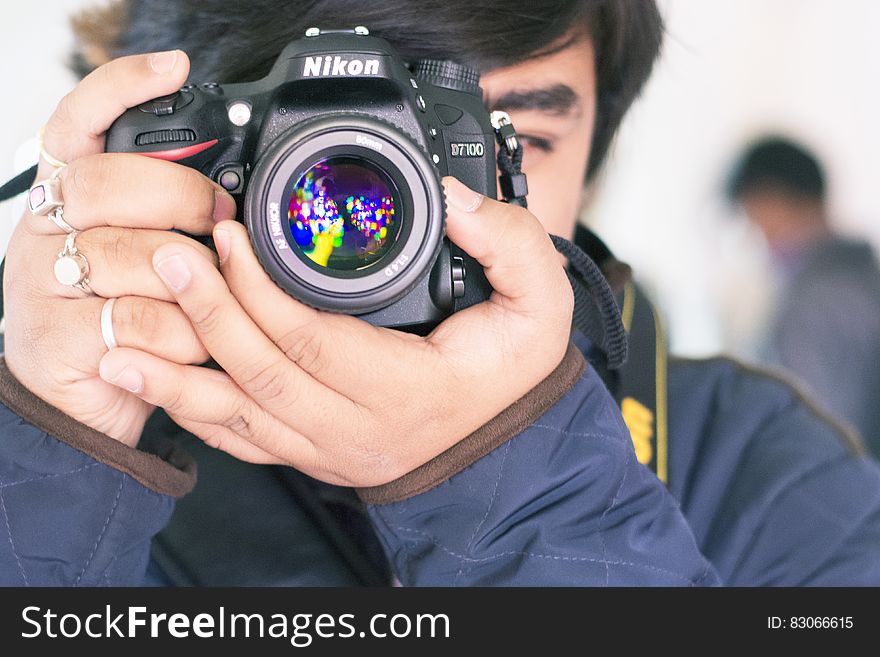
(345, 213)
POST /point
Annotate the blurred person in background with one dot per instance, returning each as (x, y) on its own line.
(825, 326)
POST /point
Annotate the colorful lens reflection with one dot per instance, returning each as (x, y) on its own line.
(342, 213)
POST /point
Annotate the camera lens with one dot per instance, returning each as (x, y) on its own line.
(343, 214)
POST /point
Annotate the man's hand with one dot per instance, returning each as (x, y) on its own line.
(334, 396)
(123, 204)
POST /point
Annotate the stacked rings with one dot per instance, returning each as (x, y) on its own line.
(71, 266)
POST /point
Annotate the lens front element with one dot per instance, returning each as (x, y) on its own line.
(345, 213)
(342, 214)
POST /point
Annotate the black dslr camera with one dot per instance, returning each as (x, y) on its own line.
(335, 159)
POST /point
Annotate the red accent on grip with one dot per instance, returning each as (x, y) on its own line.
(181, 153)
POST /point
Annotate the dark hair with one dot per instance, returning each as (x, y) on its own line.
(231, 41)
(777, 164)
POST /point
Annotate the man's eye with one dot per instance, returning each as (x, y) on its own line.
(540, 143)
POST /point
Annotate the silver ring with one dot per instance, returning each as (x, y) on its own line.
(44, 199)
(107, 324)
(71, 266)
(56, 218)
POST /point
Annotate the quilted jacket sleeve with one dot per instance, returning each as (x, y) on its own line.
(562, 503)
(76, 507)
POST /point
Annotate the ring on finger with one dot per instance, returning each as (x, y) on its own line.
(107, 324)
(71, 266)
(54, 161)
(44, 199)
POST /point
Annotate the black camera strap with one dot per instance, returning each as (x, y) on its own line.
(21, 183)
(596, 313)
(640, 385)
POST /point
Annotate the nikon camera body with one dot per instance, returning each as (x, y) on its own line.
(334, 159)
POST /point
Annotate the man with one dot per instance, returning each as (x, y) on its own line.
(827, 317)
(487, 453)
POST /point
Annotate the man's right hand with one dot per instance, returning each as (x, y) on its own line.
(124, 205)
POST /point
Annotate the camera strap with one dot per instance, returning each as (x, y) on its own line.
(21, 183)
(596, 313)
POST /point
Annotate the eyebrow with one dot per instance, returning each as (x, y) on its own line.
(558, 100)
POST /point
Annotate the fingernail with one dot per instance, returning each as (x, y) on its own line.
(129, 378)
(174, 271)
(163, 62)
(224, 206)
(221, 243)
(460, 196)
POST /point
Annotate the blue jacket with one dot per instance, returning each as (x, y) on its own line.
(762, 490)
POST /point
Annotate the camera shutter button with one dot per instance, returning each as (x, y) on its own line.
(165, 105)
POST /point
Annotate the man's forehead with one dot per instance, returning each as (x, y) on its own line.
(559, 84)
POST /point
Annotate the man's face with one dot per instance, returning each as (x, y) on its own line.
(552, 103)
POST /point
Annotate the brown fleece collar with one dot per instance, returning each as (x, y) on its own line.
(170, 472)
(510, 422)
